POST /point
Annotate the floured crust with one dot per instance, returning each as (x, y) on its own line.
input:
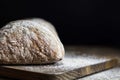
(29, 42)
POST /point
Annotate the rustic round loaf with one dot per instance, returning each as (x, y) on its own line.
(30, 41)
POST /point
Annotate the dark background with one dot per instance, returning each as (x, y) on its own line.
(77, 21)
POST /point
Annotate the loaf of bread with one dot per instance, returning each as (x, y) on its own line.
(30, 41)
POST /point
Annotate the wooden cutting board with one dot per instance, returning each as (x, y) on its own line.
(76, 63)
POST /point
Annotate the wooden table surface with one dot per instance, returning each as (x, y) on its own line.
(101, 51)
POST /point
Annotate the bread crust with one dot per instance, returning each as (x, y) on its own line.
(30, 42)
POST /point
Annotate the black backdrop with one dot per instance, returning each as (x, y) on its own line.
(77, 21)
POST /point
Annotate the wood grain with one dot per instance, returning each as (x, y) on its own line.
(95, 63)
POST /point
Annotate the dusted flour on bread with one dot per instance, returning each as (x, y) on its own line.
(32, 41)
